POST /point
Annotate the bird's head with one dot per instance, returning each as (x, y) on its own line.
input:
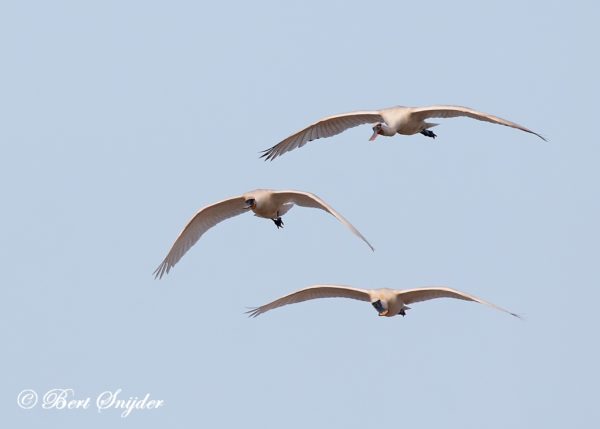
(377, 129)
(250, 204)
(381, 307)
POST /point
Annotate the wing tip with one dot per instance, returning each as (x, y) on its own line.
(161, 270)
(537, 134)
(253, 312)
(269, 154)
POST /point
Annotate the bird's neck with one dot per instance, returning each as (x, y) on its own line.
(387, 131)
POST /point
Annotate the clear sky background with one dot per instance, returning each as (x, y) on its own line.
(119, 120)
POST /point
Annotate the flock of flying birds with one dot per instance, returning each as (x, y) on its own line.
(270, 204)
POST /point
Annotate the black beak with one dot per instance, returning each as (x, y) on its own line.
(378, 306)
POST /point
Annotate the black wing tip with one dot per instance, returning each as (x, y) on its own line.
(539, 135)
(161, 271)
(253, 312)
(268, 154)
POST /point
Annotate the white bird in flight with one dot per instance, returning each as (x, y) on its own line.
(388, 122)
(264, 203)
(387, 302)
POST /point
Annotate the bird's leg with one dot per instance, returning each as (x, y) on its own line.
(278, 221)
(428, 133)
(402, 313)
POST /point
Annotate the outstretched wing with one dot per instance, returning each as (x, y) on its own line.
(306, 199)
(313, 292)
(202, 221)
(411, 296)
(422, 113)
(326, 127)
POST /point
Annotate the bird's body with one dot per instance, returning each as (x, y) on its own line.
(268, 204)
(388, 122)
(387, 302)
(391, 302)
(399, 120)
(264, 203)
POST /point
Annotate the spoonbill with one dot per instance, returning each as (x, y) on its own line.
(264, 203)
(387, 302)
(388, 122)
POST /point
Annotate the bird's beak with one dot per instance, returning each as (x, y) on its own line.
(374, 136)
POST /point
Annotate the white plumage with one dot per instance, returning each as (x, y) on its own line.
(264, 203)
(391, 121)
(387, 302)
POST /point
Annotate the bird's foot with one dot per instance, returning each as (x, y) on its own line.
(402, 313)
(428, 133)
(278, 222)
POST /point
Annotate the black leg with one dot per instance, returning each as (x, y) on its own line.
(278, 222)
(428, 133)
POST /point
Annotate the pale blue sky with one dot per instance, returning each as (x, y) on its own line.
(121, 119)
